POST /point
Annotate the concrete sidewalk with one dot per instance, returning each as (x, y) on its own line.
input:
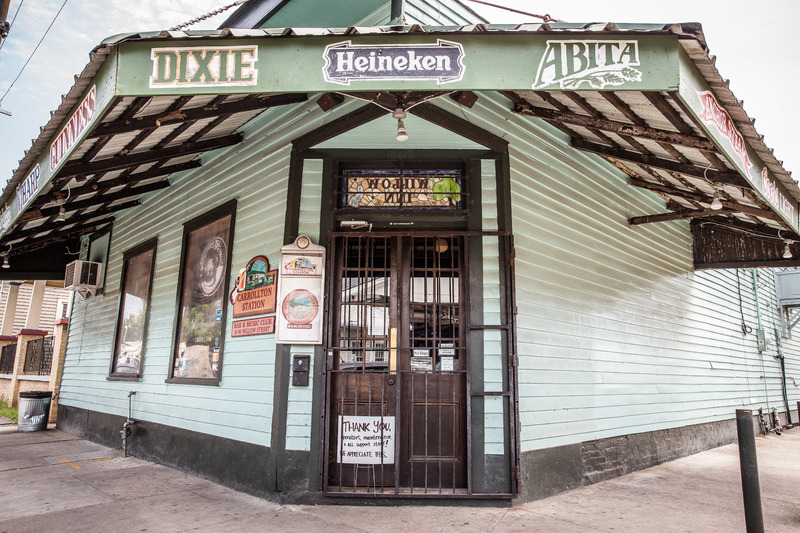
(52, 481)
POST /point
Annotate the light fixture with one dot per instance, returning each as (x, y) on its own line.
(716, 203)
(787, 253)
(4, 255)
(62, 212)
(400, 114)
(441, 246)
(356, 224)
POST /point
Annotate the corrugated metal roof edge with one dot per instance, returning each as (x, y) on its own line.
(690, 35)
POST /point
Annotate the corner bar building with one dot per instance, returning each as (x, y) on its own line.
(415, 255)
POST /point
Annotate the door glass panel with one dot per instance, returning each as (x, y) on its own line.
(364, 306)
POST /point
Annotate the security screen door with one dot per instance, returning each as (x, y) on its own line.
(397, 376)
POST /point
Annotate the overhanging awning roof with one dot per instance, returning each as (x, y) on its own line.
(115, 138)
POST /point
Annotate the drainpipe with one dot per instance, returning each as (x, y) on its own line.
(398, 16)
(758, 318)
(783, 379)
(126, 427)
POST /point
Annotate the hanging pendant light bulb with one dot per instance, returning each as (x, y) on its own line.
(5, 261)
(400, 114)
(401, 131)
(787, 253)
(62, 214)
(716, 203)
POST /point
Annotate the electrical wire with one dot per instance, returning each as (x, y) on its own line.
(745, 328)
(3, 42)
(34, 51)
(207, 15)
(545, 17)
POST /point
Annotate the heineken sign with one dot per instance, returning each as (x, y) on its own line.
(346, 62)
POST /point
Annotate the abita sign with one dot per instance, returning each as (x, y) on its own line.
(593, 64)
(346, 62)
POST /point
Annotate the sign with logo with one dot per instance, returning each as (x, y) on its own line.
(253, 326)
(713, 114)
(588, 64)
(5, 219)
(403, 188)
(28, 188)
(212, 267)
(770, 188)
(200, 66)
(255, 291)
(346, 62)
(75, 127)
(366, 440)
(300, 293)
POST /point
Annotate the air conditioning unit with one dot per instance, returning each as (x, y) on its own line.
(82, 276)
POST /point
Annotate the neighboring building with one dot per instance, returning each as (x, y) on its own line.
(433, 259)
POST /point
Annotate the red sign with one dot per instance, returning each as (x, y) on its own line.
(75, 127)
(253, 326)
(714, 114)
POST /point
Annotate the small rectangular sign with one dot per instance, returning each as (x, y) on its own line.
(366, 440)
(253, 326)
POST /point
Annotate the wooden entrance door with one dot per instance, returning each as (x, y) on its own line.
(397, 366)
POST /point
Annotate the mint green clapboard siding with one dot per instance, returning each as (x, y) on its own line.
(616, 332)
(256, 173)
(299, 406)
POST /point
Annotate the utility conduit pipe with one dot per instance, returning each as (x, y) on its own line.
(126, 427)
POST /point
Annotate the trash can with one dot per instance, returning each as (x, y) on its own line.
(34, 410)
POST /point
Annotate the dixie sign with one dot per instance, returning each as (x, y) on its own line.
(345, 62)
(204, 66)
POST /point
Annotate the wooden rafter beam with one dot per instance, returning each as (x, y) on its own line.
(656, 187)
(55, 228)
(176, 116)
(612, 126)
(126, 179)
(677, 215)
(100, 199)
(31, 245)
(727, 178)
(115, 163)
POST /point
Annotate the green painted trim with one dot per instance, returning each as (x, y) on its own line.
(489, 62)
(699, 101)
(280, 397)
(475, 341)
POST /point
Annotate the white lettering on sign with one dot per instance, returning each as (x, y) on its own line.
(713, 114)
(774, 195)
(201, 66)
(366, 440)
(28, 188)
(5, 219)
(75, 127)
(596, 63)
(345, 62)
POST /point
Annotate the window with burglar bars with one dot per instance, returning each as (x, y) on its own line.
(39, 356)
(7, 357)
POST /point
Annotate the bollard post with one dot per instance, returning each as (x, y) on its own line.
(751, 490)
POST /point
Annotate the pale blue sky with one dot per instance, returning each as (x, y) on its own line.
(753, 41)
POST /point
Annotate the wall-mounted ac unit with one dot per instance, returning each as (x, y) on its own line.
(82, 276)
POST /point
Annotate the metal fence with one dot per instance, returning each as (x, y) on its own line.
(7, 357)
(39, 356)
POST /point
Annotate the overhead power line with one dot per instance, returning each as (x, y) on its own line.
(34, 51)
(545, 17)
